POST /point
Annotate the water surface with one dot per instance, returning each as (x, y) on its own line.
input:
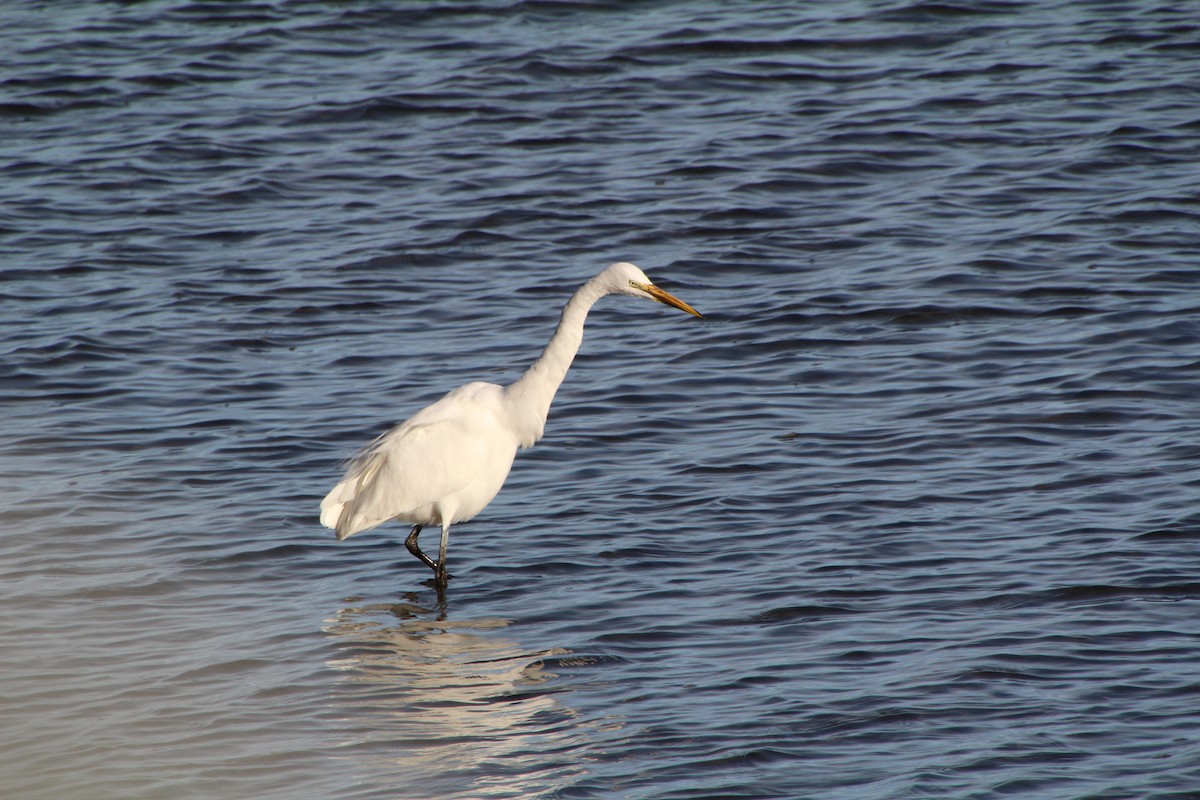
(912, 513)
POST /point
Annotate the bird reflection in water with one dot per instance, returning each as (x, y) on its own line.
(434, 707)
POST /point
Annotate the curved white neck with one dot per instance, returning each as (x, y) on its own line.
(530, 395)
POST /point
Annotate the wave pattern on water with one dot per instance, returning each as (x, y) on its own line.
(912, 513)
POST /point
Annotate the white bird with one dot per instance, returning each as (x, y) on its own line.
(445, 463)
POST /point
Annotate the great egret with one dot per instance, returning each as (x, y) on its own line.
(446, 462)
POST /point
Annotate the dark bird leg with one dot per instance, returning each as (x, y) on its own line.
(411, 544)
(440, 575)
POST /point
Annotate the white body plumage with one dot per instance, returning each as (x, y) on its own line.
(441, 466)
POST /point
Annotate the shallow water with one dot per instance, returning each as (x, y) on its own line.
(912, 513)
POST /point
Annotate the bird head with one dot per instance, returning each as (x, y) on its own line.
(626, 278)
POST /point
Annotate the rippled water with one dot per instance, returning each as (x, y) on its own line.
(913, 513)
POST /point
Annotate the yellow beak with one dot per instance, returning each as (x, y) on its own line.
(667, 298)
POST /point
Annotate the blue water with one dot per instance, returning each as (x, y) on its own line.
(912, 513)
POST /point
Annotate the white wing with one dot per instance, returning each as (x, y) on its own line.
(434, 455)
